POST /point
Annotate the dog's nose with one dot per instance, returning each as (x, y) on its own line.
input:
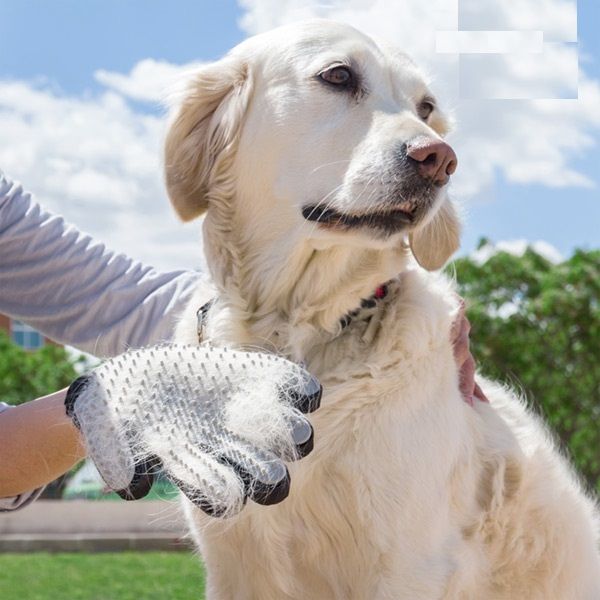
(435, 160)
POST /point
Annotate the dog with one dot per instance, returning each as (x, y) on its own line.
(318, 157)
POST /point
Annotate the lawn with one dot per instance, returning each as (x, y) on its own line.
(105, 576)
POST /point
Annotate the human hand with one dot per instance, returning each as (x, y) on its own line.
(469, 388)
(219, 422)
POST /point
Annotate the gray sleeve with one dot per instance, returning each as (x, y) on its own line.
(20, 501)
(76, 291)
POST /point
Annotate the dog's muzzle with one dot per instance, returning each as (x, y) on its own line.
(412, 182)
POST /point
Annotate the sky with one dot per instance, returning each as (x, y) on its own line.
(82, 117)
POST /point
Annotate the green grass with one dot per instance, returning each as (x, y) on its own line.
(105, 576)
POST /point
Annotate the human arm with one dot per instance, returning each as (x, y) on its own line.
(76, 291)
(38, 442)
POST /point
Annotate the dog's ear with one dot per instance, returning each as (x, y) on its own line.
(434, 244)
(203, 132)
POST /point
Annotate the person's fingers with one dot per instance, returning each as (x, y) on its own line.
(467, 378)
(461, 329)
(457, 323)
(460, 320)
(461, 342)
(478, 393)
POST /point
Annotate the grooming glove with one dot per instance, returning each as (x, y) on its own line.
(220, 423)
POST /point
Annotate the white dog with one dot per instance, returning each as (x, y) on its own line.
(319, 159)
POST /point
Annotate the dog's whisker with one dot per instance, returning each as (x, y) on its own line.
(327, 198)
(335, 162)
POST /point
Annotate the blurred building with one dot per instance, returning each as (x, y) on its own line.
(23, 335)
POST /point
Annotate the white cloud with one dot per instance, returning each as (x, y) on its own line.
(150, 80)
(517, 248)
(528, 141)
(96, 160)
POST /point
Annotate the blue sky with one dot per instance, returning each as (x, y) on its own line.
(58, 46)
(66, 41)
(567, 218)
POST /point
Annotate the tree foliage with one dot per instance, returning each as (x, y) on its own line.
(27, 375)
(536, 326)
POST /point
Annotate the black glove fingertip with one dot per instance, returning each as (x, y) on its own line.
(212, 509)
(262, 492)
(267, 494)
(304, 438)
(142, 480)
(309, 399)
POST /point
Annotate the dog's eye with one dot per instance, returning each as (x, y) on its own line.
(339, 75)
(425, 108)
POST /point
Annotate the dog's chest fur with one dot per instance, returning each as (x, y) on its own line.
(365, 509)
(410, 493)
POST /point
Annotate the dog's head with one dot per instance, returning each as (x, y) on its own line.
(313, 134)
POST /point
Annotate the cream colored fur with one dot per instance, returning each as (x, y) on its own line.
(410, 493)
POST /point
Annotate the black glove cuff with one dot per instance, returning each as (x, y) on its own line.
(72, 394)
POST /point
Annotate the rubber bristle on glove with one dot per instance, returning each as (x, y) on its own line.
(219, 422)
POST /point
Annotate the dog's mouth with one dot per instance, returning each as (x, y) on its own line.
(389, 220)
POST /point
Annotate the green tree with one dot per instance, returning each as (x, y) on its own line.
(26, 375)
(536, 326)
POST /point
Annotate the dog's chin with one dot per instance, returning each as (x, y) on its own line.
(380, 223)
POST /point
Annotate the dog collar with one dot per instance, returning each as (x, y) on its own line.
(366, 306)
(366, 309)
(201, 314)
